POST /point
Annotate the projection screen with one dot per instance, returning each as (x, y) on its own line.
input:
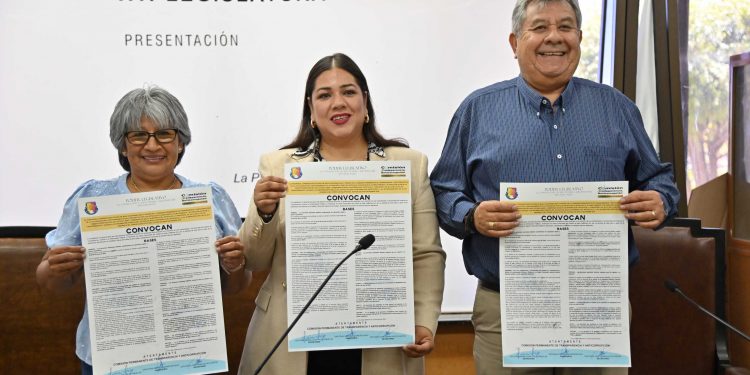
(239, 69)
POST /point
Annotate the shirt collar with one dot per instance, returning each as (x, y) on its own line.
(537, 101)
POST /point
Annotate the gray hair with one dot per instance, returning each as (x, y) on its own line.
(151, 102)
(519, 12)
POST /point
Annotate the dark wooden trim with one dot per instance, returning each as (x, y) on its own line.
(738, 248)
(675, 105)
(734, 62)
(626, 47)
(24, 232)
(661, 55)
(668, 93)
(631, 49)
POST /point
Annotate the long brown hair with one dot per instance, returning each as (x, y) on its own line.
(306, 134)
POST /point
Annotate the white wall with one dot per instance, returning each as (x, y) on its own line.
(64, 65)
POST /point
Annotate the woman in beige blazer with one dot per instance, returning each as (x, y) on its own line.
(338, 124)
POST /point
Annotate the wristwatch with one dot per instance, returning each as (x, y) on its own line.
(469, 220)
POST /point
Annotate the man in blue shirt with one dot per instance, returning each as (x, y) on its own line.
(543, 126)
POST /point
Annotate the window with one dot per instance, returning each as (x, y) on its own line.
(588, 67)
(716, 30)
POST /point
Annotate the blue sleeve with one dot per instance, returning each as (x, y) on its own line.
(227, 219)
(68, 231)
(644, 170)
(450, 179)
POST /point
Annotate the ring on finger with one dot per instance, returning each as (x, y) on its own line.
(653, 213)
(492, 225)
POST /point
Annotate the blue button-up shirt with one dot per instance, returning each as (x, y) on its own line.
(68, 232)
(507, 132)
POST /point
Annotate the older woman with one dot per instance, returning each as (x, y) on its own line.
(338, 124)
(149, 129)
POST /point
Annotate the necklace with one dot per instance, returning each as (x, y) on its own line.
(138, 190)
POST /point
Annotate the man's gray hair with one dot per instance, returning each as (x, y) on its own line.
(519, 12)
(151, 102)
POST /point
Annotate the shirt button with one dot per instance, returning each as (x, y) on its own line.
(559, 156)
(554, 126)
(283, 284)
(544, 101)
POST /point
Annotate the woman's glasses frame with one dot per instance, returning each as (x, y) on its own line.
(162, 136)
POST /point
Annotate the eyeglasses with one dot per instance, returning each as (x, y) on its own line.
(141, 137)
(545, 29)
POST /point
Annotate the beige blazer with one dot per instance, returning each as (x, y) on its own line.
(265, 250)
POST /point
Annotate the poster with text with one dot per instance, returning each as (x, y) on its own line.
(369, 302)
(153, 288)
(564, 276)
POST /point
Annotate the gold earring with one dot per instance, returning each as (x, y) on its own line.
(367, 118)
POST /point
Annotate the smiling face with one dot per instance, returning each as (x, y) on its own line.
(338, 107)
(152, 162)
(549, 47)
